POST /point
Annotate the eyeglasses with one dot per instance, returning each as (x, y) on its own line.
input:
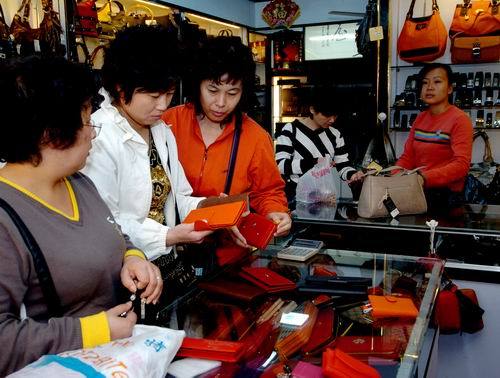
(97, 127)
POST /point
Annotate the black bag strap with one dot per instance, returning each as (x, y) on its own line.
(42, 270)
(234, 153)
(409, 15)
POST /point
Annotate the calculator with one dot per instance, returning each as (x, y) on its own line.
(301, 250)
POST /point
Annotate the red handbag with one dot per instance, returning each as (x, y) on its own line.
(422, 39)
(457, 310)
(476, 18)
(86, 18)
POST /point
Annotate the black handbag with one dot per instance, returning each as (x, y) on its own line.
(42, 270)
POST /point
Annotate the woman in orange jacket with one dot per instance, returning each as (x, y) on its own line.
(221, 84)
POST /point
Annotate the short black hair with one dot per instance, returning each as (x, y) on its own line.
(142, 58)
(324, 100)
(432, 66)
(219, 56)
(41, 100)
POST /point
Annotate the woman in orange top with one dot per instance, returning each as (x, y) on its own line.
(221, 83)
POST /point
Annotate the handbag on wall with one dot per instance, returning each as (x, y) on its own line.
(404, 190)
(422, 39)
(476, 18)
(481, 49)
(21, 30)
(50, 31)
(86, 18)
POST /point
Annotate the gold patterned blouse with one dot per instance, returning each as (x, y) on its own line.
(161, 185)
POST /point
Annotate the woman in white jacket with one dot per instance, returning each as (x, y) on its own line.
(133, 161)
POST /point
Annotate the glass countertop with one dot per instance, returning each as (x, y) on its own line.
(391, 346)
(469, 219)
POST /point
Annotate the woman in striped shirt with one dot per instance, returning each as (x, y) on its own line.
(303, 142)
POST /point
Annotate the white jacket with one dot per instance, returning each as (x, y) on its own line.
(118, 164)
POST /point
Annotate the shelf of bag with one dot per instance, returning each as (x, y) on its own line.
(418, 66)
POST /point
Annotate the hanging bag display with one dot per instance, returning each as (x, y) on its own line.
(422, 39)
(7, 49)
(401, 193)
(50, 31)
(476, 18)
(86, 18)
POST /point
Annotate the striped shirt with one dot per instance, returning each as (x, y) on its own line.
(298, 149)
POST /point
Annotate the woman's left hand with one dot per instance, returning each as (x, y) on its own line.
(138, 273)
(283, 221)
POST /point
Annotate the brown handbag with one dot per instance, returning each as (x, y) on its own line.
(20, 27)
(50, 30)
(475, 49)
(404, 189)
(422, 39)
(476, 18)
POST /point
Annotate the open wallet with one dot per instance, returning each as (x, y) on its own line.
(366, 347)
(390, 306)
(257, 230)
(266, 279)
(214, 217)
(226, 351)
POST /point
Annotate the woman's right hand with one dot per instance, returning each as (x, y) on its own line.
(120, 326)
(185, 233)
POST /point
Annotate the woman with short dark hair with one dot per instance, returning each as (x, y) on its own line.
(306, 140)
(45, 106)
(221, 83)
(440, 140)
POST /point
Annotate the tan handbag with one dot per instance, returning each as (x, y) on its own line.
(405, 189)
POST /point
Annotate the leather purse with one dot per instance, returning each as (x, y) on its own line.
(226, 351)
(238, 290)
(21, 30)
(482, 49)
(266, 279)
(215, 217)
(322, 332)
(338, 364)
(50, 31)
(422, 39)
(257, 230)
(86, 18)
(404, 189)
(389, 306)
(476, 18)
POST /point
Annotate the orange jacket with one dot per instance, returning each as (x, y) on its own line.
(255, 171)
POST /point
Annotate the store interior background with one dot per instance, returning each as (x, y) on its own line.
(459, 355)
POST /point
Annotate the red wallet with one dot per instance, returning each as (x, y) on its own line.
(215, 217)
(364, 347)
(227, 351)
(322, 332)
(238, 290)
(257, 230)
(337, 364)
(266, 279)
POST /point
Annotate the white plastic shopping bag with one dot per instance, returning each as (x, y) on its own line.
(147, 353)
(318, 184)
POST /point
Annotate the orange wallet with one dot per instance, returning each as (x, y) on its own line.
(218, 216)
(388, 306)
(227, 351)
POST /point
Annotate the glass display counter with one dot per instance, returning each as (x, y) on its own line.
(286, 328)
(469, 233)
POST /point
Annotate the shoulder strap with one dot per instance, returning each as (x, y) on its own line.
(42, 270)
(234, 153)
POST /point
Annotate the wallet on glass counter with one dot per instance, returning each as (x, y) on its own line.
(226, 351)
(339, 285)
(266, 279)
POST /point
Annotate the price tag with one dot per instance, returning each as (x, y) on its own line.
(376, 33)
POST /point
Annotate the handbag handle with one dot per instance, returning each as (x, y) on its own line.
(26, 6)
(488, 154)
(393, 168)
(130, 11)
(409, 15)
(42, 270)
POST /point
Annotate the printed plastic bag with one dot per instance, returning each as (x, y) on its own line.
(147, 353)
(318, 184)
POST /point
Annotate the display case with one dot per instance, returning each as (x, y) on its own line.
(275, 329)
